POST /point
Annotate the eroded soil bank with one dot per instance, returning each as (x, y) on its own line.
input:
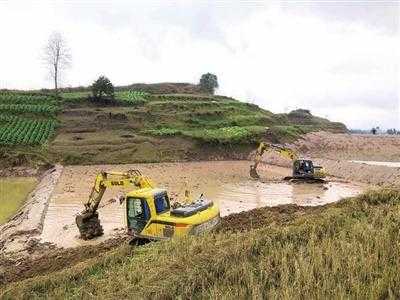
(350, 146)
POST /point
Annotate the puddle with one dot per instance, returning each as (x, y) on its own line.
(378, 163)
(59, 226)
(249, 195)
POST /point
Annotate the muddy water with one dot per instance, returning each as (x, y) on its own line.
(390, 164)
(226, 183)
(250, 194)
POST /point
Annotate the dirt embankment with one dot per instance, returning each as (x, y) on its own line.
(19, 268)
(334, 152)
(58, 259)
(20, 233)
(350, 146)
(375, 175)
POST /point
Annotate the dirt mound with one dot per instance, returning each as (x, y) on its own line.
(350, 146)
(16, 234)
(119, 117)
(55, 259)
(261, 217)
(51, 260)
(164, 88)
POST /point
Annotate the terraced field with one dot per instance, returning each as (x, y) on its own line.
(144, 127)
(138, 126)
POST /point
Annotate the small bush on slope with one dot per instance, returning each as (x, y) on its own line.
(348, 249)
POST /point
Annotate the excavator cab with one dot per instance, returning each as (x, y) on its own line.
(305, 169)
(139, 212)
(149, 215)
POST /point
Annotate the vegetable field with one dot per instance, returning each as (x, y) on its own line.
(26, 119)
(133, 97)
(26, 132)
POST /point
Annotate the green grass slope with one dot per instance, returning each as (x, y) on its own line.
(347, 249)
(143, 127)
(170, 127)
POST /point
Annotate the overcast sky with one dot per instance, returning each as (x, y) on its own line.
(340, 59)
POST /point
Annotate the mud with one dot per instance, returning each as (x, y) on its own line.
(54, 259)
(390, 164)
(369, 174)
(225, 182)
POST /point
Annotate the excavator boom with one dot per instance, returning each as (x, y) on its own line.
(87, 221)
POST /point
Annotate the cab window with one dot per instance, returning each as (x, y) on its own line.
(138, 209)
(161, 202)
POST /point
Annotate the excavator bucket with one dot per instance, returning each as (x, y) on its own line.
(89, 226)
(253, 173)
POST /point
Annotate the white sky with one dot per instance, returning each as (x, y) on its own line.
(340, 59)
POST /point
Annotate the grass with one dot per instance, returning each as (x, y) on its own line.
(89, 133)
(13, 192)
(222, 135)
(348, 250)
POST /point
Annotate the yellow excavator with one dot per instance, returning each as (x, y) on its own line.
(148, 211)
(302, 170)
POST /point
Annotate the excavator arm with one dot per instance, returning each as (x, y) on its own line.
(283, 151)
(106, 180)
(87, 221)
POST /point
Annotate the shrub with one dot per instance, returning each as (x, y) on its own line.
(102, 87)
(208, 83)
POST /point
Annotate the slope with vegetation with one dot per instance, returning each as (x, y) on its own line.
(346, 249)
(139, 126)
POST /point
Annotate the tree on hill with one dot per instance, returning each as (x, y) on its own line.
(101, 88)
(57, 57)
(208, 83)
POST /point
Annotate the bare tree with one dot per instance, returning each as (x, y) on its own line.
(57, 57)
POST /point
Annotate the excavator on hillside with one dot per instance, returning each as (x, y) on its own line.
(148, 212)
(302, 170)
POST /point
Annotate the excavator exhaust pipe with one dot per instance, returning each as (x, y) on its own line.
(89, 225)
(253, 172)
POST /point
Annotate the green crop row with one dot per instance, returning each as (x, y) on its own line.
(29, 108)
(26, 132)
(133, 97)
(15, 98)
(224, 135)
(7, 118)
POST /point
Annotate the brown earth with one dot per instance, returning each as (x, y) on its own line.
(350, 146)
(57, 259)
(261, 217)
(329, 150)
(53, 259)
(154, 88)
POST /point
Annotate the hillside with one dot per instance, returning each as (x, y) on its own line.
(143, 127)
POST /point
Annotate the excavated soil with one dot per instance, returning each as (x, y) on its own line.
(350, 146)
(261, 217)
(54, 259)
